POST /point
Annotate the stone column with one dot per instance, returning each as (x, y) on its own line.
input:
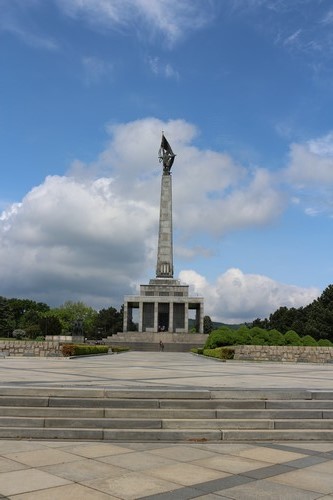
(171, 328)
(164, 268)
(125, 319)
(140, 316)
(155, 316)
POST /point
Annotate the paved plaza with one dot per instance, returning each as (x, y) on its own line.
(34, 470)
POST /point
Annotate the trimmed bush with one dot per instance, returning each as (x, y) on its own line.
(120, 348)
(197, 350)
(292, 338)
(308, 341)
(220, 353)
(68, 349)
(324, 343)
(83, 349)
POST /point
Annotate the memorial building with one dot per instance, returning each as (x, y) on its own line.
(164, 305)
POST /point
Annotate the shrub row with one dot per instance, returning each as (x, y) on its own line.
(120, 348)
(258, 336)
(83, 349)
(219, 352)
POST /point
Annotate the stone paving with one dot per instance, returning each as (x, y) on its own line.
(47, 470)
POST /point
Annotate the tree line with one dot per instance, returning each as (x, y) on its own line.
(315, 319)
(26, 318)
(37, 319)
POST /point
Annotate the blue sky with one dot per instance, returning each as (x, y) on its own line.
(243, 90)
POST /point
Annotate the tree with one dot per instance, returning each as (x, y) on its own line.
(20, 307)
(50, 325)
(72, 312)
(207, 325)
(108, 322)
(7, 321)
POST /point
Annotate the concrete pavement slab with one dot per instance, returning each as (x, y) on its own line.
(133, 486)
(69, 492)
(84, 470)
(186, 475)
(28, 480)
(306, 479)
(262, 490)
(137, 460)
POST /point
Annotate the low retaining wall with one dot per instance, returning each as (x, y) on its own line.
(30, 348)
(284, 353)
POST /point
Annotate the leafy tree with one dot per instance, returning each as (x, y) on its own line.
(7, 321)
(207, 324)
(108, 322)
(50, 325)
(72, 312)
(316, 319)
(20, 307)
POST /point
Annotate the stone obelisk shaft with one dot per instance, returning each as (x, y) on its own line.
(164, 267)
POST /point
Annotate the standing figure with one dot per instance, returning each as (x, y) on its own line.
(166, 155)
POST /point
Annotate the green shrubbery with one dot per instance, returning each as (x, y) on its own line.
(120, 348)
(258, 336)
(220, 353)
(83, 349)
(218, 342)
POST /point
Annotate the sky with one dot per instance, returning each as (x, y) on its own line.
(243, 90)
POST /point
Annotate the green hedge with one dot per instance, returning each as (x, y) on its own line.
(220, 353)
(120, 348)
(83, 349)
(258, 336)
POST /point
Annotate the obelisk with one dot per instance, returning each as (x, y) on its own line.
(163, 305)
(164, 268)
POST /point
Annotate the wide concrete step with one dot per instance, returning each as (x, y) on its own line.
(120, 423)
(160, 413)
(278, 435)
(165, 414)
(243, 423)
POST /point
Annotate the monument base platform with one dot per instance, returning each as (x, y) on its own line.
(150, 341)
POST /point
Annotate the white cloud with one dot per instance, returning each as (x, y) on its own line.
(236, 297)
(71, 239)
(95, 69)
(310, 174)
(165, 70)
(171, 18)
(91, 234)
(307, 167)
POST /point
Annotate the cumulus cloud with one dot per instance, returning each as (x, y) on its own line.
(236, 297)
(92, 234)
(310, 171)
(171, 18)
(71, 239)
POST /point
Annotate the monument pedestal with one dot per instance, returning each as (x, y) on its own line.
(163, 306)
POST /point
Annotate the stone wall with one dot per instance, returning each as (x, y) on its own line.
(30, 348)
(284, 353)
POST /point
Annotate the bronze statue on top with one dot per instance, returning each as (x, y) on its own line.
(166, 155)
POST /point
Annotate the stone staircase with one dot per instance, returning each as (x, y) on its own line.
(165, 414)
(149, 341)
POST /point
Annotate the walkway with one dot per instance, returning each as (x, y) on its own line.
(33, 470)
